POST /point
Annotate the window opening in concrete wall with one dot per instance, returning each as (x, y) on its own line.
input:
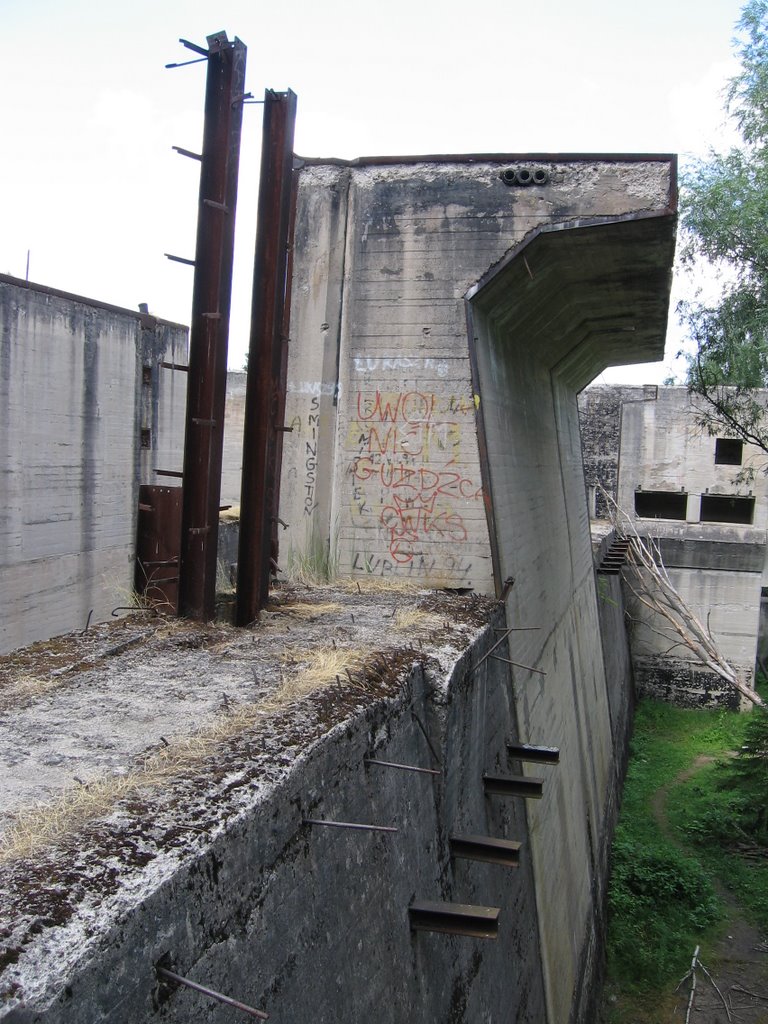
(726, 508)
(728, 451)
(661, 504)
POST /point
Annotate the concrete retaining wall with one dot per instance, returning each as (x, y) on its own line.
(543, 539)
(86, 414)
(312, 923)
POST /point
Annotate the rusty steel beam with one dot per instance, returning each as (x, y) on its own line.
(265, 388)
(211, 297)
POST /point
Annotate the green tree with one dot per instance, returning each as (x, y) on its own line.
(724, 213)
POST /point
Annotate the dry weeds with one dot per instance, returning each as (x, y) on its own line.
(414, 620)
(307, 609)
(37, 827)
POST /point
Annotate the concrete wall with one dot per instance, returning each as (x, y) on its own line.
(442, 325)
(664, 448)
(383, 464)
(544, 543)
(720, 580)
(600, 417)
(312, 923)
(81, 389)
(232, 454)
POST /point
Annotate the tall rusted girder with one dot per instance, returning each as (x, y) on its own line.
(267, 358)
(207, 380)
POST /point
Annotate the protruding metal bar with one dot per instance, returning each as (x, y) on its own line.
(175, 366)
(194, 47)
(402, 767)
(515, 629)
(485, 848)
(187, 152)
(426, 736)
(517, 664)
(180, 259)
(215, 206)
(178, 980)
(349, 824)
(267, 367)
(514, 785)
(185, 63)
(489, 652)
(454, 919)
(169, 472)
(537, 755)
(212, 290)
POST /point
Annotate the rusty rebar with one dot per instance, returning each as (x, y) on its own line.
(163, 972)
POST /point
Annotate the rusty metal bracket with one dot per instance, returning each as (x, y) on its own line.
(513, 785)
(487, 849)
(537, 755)
(454, 919)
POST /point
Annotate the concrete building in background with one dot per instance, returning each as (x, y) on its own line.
(705, 499)
(87, 414)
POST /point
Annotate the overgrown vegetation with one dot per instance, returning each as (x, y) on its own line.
(660, 899)
(692, 823)
(722, 813)
(724, 203)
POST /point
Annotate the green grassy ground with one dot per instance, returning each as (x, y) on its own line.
(667, 861)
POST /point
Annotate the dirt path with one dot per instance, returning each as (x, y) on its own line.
(738, 964)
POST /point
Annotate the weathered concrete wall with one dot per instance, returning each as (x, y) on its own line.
(86, 414)
(232, 453)
(725, 596)
(312, 923)
(423, 449)
(600, 416)
(383, 463)
(663, 448)
(541, 523)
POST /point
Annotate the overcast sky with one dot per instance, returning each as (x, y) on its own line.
(91, 187)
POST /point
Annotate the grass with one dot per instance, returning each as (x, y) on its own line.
(662, 900)
(304, 672)
(706, 812)
(315, 564)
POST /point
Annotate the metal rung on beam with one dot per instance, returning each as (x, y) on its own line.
(175, 366)
(514, 785)
(538, 755)
(169, 472)
(486, 848)
(454, 919)
(187, 152)
(180, 259)
(216, 206)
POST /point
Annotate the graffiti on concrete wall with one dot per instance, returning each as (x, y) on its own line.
(409, 479)
(310, 456)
